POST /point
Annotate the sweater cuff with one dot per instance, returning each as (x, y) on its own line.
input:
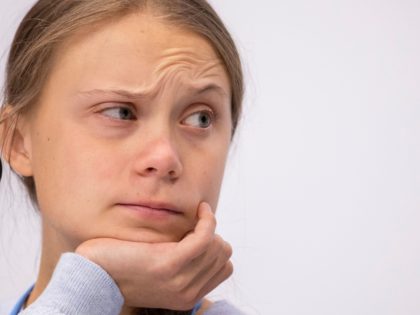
(79, 286)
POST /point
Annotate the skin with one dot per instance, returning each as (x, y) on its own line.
(134, 111)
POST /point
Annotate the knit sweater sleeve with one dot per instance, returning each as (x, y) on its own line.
(78, 286)
(223, 308)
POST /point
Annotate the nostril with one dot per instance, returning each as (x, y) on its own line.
(150, 170)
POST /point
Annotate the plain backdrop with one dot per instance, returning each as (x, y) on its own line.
(321, 199)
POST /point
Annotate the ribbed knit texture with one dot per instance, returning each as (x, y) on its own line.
(81, 287)
(78, 287)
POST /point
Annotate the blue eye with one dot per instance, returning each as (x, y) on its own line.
(202, 119)
(120, 113)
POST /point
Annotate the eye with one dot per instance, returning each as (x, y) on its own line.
(119, 113)
(202, 119)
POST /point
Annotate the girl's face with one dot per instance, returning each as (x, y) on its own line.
(135, 118)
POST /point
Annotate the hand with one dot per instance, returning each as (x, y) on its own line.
(166, 275)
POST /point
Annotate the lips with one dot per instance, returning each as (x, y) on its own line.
(153, 206)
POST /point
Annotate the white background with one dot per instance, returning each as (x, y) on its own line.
(322, 193)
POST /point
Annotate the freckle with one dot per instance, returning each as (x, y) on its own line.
(48, 139)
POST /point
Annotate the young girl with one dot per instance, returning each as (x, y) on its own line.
(118, 116)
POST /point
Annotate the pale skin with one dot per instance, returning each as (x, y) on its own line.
(134, 112)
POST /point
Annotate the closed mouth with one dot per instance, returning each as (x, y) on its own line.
(145, 206)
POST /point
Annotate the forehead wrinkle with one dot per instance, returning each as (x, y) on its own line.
(151, 93)
(185, 56)
(176, 71)
(182, 77)
(179, 74)
(179, 77)
(207, 70)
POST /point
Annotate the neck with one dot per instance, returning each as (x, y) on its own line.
(50, 254)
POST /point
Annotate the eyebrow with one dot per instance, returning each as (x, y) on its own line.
(212, 87)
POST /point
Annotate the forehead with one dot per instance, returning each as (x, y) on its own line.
(138, 51)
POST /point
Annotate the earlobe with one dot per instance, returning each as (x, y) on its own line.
(17, 145)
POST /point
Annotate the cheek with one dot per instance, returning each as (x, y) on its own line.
(69, 172)
(209, 172)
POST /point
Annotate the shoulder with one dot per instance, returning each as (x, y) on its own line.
(222, 308)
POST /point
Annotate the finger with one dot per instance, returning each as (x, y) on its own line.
(219, 249)
(224, 273)
(197, 242)
(207, 266)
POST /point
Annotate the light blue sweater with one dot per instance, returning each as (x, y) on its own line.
(81, 287)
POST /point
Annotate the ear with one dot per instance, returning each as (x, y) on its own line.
(16, 142)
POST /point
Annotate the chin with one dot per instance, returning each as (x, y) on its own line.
(148, 236)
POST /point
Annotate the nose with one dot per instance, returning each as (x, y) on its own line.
(160, 159)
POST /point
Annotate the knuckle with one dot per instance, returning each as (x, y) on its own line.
(218, 239)
(223, 248)
(229, 269)
(228, 249)
(218, 243)
(166, 268)
(177, 286)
